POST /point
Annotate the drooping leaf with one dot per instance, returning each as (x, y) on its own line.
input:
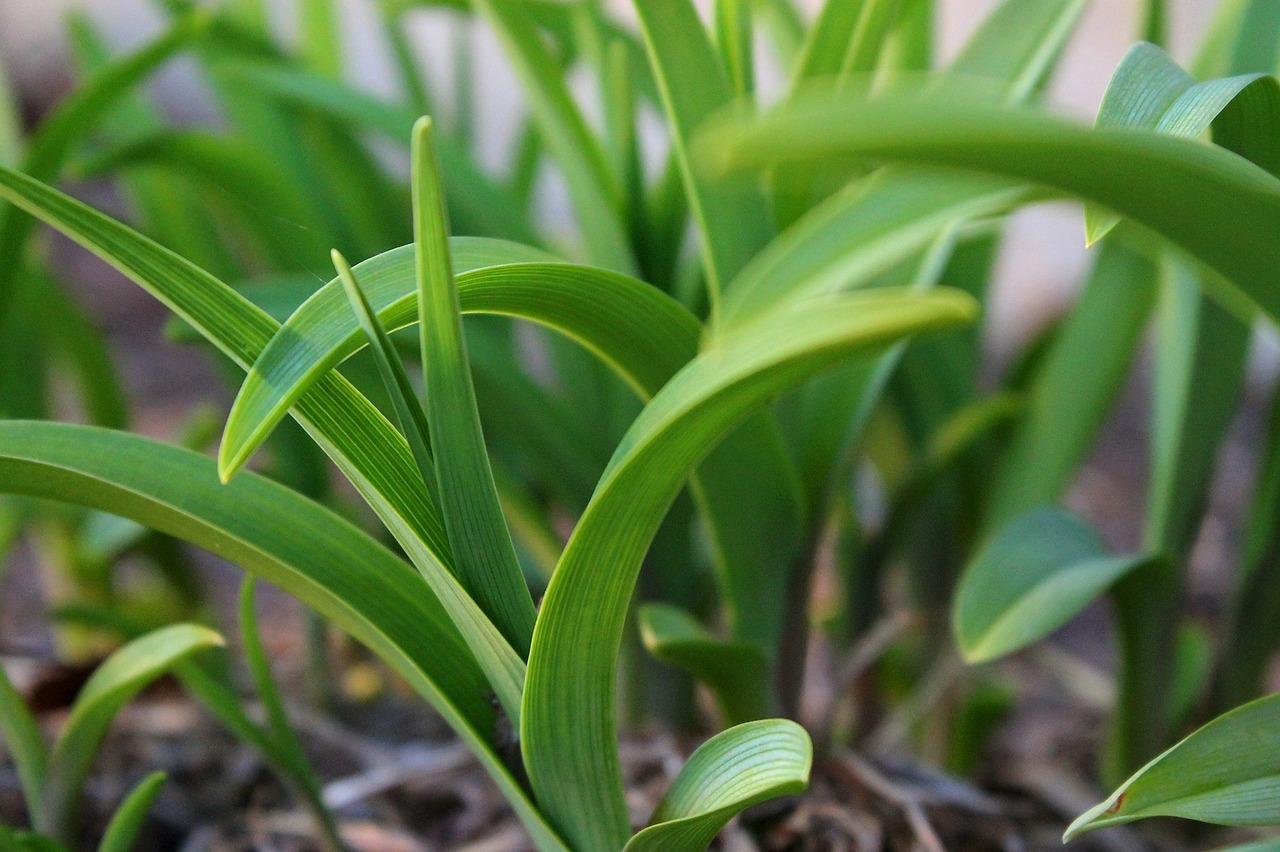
(1227, 772)
(1035, 574)
(111, 686)
(285, 539)
(567, 728)
(743, 766)
(1231, 229)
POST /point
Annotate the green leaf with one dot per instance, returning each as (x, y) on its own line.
(591, 184)
(641, 332)
(743, 766)
(122, 831)
(1036, 573)
(1234, 227)
(568, 724)
(645, 336)
(374, 457)
(731, 216)
(1226, 772)
(59, 132)
(1073, 390)
(479, 203)
(25, 744)
(484, 558)
(319, 36)
(737, 673)
(1150, 92)
(413, 420)
(112, 685)
(283, 538)
(1018, 44)
(285, 742)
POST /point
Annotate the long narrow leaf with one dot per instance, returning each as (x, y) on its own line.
(568, 725)
(484, 557)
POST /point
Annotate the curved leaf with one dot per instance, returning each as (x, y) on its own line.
(283, 538)
(368, 449)
(1227, 772)
(1034, 575)
(568, 724)
(122, 830)
(737, 673)
(1234, 226)
(112, 685)
(643, 333)
(743, 766)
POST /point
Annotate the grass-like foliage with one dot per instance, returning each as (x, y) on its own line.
(689, 382)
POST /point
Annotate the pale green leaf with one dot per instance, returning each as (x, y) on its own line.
(122, 831)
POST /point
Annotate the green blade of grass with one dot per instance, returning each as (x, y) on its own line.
(568, 724)
(126, 823)
(1072, 392)
(319, 36)
(281, 732)
(484, 557)
(25, 744)
(596, 195)
(58, 134)
(413, 420)
(481, 205)
(731, 216)
(285, 539)
(113, 684)
(735, 769)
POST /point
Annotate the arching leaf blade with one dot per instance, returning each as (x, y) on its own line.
(737, 768)
(568, 725)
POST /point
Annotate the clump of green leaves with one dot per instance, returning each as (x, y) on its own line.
(705, 404)
(52, 779)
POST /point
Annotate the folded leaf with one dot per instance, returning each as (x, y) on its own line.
(743, 766)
